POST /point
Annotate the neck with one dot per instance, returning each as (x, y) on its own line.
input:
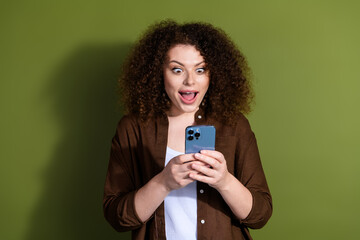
(183, 119)
(173, 112)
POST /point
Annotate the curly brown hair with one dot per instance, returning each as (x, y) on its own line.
(142, 82)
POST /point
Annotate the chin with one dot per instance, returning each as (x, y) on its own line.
(191, 109)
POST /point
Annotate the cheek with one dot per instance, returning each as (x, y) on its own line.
(171, 82)
(167, 82)
(169, 86)
(205, 82)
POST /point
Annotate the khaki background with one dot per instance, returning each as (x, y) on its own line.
(59, 62)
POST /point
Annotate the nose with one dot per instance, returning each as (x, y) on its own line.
(189, 79)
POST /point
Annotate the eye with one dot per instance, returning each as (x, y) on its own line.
(200, 70)
(176, 70)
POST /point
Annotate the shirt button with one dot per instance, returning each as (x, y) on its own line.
(202, 221)
(199, 117)
(201, 191)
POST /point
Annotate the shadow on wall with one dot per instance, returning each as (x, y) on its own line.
(82, 94)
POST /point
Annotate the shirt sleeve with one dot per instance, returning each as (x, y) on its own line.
(253, 177)
(120, 184)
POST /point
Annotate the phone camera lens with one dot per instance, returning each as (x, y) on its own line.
(197, 135)
(191, 131)
(190, 138)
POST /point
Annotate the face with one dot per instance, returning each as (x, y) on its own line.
(186, 79)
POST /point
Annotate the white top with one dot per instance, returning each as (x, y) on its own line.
(180, 209)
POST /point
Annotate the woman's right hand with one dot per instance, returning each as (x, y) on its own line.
(174, 176)
(176, 173)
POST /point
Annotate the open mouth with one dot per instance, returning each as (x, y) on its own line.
(188, 96)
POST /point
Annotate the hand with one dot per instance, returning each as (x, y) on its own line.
(176, 173)
(213, 169)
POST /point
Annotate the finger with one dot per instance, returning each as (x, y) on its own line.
(193, 160)
(188, 165)
(214, 163)
(204, 170)
(184, 158)
(184, 175)
(214, 154)
(193, 172)
(186, 181)
(202, 178)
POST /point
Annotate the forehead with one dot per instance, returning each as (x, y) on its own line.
(184, 53)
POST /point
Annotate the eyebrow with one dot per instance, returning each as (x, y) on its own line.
(183, 64)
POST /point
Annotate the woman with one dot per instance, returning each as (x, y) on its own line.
(177, 76)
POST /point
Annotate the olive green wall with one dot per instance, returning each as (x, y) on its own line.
(59, 61)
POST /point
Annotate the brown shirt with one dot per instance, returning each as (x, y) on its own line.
(138, 154)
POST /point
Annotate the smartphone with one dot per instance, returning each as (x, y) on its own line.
(201, 137)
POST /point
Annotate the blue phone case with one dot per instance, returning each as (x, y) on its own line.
(201, 137)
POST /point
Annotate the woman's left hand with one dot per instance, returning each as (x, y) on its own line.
(214, 172)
